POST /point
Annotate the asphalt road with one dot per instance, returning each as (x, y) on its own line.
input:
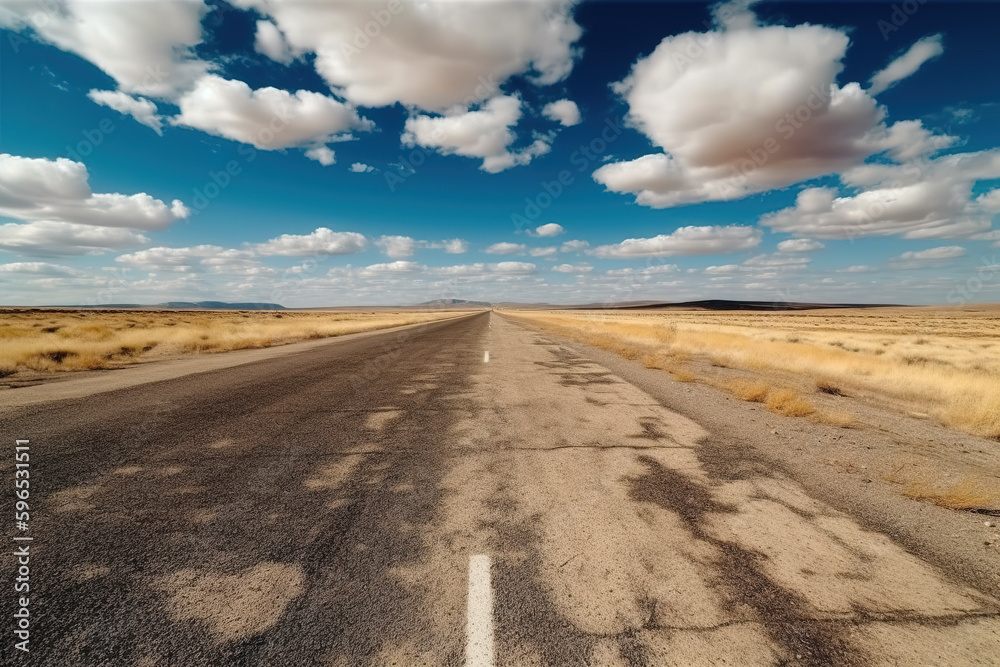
(463, 492)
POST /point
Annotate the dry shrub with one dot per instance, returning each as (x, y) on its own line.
(968, 494)
(840, 419)
(829, 387)
(745, 390)
(656, 360)
(789, 403)
(682, 375)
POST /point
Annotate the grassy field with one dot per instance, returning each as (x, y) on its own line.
(70, 340)
(942, 362)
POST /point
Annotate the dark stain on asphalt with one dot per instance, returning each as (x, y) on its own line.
(524, 614)
(738, 573)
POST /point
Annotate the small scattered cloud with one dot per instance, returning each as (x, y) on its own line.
(506, 248)
(548, 230)
(396, 246)
(707, 240)
(907, 64)
(800, 245)
(139, 108)
(564, 112)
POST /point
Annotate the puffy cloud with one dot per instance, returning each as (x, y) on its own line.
(548, 230)
(484, 133)
(47, 238)
(564, 112)
(857, 268)
(321, 242)
(907, 64)
(707, 240)
(723, 270)
(775, 262)
(506, 249)
(512, 268)
(919, 259)
(574, 246)
(648, 271)
(430, 54)
(758, 108)
(573, 268)
(455, 246)
(269, 41)
(322, 154)
(919, 200)
(170, 259)
(480, 269)
(267, 118)
(450, 246)
(146, 47)
(800, 245)
(58, 191)
(396, 246)
(394, 267)
(140, 108)
(361, 168)
(38, 268)
(546, 251)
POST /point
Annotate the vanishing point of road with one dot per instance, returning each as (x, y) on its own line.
(464, 492)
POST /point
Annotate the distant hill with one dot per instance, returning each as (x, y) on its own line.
(221, 305)
(180, 305)
(453, 303)
(725, 304)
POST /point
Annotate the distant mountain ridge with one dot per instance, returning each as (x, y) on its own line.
(438, 303)
(222, 305)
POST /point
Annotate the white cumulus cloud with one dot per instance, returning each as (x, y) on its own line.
(58, 191)
(266, 118)
(549, 230)
(323, 241)
(143, 110)
(564, 112)
(707, 240)
(506, 248)
(147, 47)
(919, 200)
(484, 133)
(800, 245)
(396, 246)
(427, 54)
(755, 108)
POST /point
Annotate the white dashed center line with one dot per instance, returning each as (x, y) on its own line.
(479, 617)
(486, 357)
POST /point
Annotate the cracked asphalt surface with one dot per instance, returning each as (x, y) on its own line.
(321, 508)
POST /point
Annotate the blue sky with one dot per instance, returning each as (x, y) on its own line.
(527, 151)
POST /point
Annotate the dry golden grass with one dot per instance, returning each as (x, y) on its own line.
(968, 494)
(944, 362)
(682, 375)
(789, 403)
(839, 419)
(68, 340)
